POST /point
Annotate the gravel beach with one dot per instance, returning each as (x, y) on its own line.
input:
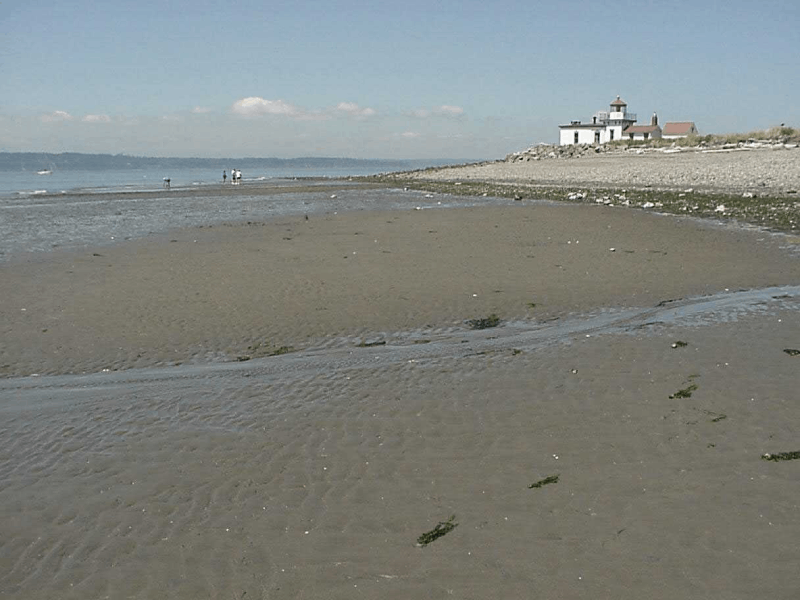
(757, 184)
(772, 171)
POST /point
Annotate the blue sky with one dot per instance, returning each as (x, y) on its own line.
(371, 79)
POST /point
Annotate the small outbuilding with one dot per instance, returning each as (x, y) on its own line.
(644, 132)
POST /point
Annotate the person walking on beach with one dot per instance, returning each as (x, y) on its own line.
(224, 176)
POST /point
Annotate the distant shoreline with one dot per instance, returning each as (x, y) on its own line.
(36, 161)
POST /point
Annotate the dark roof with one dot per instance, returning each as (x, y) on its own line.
(618, 102)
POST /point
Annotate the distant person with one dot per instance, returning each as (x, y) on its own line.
(224, 176)
(166, 182)
(238, 177)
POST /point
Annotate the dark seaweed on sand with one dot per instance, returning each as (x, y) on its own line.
(792, 351)
(781, 456)
(487, 322)
(442, 528)
(545, 481)
(685, 392)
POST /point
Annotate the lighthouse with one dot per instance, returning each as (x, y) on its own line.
(606, 126)
(619, 119)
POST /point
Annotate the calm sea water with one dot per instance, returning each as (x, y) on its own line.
(26, 183)
(83, 209)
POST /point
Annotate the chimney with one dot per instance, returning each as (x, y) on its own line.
(654, 120)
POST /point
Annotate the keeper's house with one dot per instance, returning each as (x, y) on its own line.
(618, 124)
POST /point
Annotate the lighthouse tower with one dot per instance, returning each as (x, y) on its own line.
(618, 120)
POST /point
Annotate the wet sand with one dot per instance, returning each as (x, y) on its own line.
(313, 473)
(224, 292)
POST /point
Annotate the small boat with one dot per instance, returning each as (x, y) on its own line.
(44, 172)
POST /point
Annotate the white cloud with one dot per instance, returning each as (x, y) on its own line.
(58, 115)
(96, 119)
(354, 110)
(451, 111)
(201, 110)
(445, 110)
(254, 106)
(409, 134)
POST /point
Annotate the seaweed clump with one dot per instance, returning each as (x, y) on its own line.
(781, 456)
(485, 323)
(545, 481)
(442, 528)
(685, 392)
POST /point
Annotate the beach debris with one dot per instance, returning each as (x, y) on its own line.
(720, 208)
(792, 351)
(442, 528)
(685, 392)
(679, 344)
(781, 456)
(542, 482)
(485, 323)
(716, 417)
(371, 344)
(259, 350)
(612, 249)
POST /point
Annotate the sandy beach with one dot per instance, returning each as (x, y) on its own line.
(281, 408)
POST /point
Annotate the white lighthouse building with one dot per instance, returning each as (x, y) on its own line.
(606, 126)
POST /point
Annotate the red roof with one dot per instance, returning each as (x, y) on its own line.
(618, 102)
(641, 129)
(678, 128)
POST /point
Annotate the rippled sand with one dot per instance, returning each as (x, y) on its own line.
(312, 474)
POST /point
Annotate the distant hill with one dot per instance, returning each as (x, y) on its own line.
(33, 161)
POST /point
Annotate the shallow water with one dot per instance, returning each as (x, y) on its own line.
(41, 223)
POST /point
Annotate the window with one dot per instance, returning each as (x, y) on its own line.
(646, 135)
(611, 134)
(576, 137)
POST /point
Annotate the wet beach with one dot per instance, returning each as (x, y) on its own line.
(279, 403)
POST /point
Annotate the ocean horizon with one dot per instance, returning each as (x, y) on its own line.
(40, 174)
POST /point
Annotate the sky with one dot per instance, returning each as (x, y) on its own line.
(409, 79)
